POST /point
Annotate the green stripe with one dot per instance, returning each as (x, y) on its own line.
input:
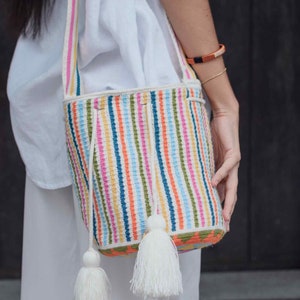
(140, 157)
(89, 119)
(181, 155)
(97, 172)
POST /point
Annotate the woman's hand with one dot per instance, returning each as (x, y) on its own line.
(224, 127)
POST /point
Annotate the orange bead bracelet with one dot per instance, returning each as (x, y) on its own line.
(207, 57)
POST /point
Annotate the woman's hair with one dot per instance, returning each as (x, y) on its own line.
(28, 16)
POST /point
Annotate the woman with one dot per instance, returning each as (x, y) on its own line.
(116, 37)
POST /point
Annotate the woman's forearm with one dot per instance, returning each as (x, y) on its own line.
(193, 24)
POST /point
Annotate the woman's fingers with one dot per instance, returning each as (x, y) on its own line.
(231, 195)
(224, 170)
(221, 190)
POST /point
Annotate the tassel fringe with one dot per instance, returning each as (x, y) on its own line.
(92, 282)
(157, 272)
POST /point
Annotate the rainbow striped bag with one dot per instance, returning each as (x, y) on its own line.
(139, 153)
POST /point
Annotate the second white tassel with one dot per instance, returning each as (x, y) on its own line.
(157, 272)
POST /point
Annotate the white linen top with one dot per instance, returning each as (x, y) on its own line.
(122, 44)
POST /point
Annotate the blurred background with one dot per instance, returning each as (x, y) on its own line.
(262, 59)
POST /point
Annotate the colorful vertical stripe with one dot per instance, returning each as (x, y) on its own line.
(122, 181)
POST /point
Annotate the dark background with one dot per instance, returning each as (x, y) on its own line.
(262, 39)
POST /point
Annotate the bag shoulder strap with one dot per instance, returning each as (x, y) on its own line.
(69, 69)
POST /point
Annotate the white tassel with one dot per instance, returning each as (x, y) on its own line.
(157, 272)
(92, 282)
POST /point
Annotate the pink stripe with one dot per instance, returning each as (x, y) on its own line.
(187, 73)
(70, 45)
(188, 155)
(144, 146)
(104, 177)
(184, 63)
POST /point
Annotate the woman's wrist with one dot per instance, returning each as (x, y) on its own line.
(217, 86)
(225, 106)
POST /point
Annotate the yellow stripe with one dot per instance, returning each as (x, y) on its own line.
(162, 200)
(191, 71)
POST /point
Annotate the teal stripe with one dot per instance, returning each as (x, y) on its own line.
(156, 120)
(119, 168)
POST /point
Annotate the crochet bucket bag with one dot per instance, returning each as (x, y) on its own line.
(142, 162)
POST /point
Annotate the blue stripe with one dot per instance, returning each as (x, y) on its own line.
(160, 161)
(119, 168)
(95, 228)
(136, 179)
(78, 81)
(198, 135)
(83, 129)
(175, 158)
(75, 143)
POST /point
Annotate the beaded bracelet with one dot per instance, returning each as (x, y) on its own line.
(207, 57)
(213, 77)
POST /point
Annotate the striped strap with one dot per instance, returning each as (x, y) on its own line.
(69, 70)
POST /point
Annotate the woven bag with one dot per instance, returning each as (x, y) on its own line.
(140, 152)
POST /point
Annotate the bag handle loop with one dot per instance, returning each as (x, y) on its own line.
(70, 53)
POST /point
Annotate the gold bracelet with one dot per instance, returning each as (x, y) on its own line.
(213, 77)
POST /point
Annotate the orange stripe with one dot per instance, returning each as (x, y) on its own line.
(126, 167)
(168, 164)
